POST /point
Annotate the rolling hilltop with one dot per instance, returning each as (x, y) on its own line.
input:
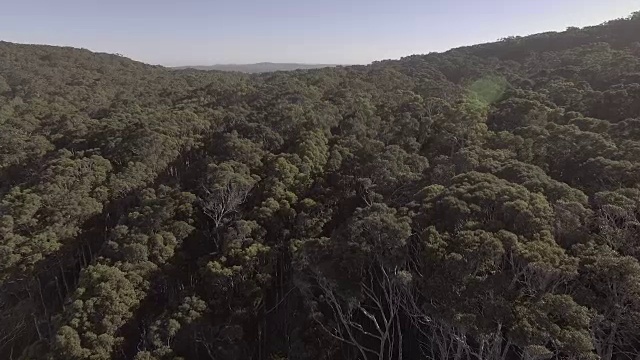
(482, 203)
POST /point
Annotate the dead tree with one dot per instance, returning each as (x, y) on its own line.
(370, 322)
(221, 200)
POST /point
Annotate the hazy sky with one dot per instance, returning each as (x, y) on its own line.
(329, 31)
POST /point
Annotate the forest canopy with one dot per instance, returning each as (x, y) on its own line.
(482, 203)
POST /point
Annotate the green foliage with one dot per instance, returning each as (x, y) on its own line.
(482, 203)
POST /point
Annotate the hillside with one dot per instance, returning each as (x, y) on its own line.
(258, 67)
(482, 203)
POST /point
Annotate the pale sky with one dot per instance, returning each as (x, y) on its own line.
(199, 32)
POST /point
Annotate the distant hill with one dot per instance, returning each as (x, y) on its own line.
(258, 67)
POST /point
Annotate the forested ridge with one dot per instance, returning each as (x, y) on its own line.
(482, 203)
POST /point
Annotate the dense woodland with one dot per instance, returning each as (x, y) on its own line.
(482, 203)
